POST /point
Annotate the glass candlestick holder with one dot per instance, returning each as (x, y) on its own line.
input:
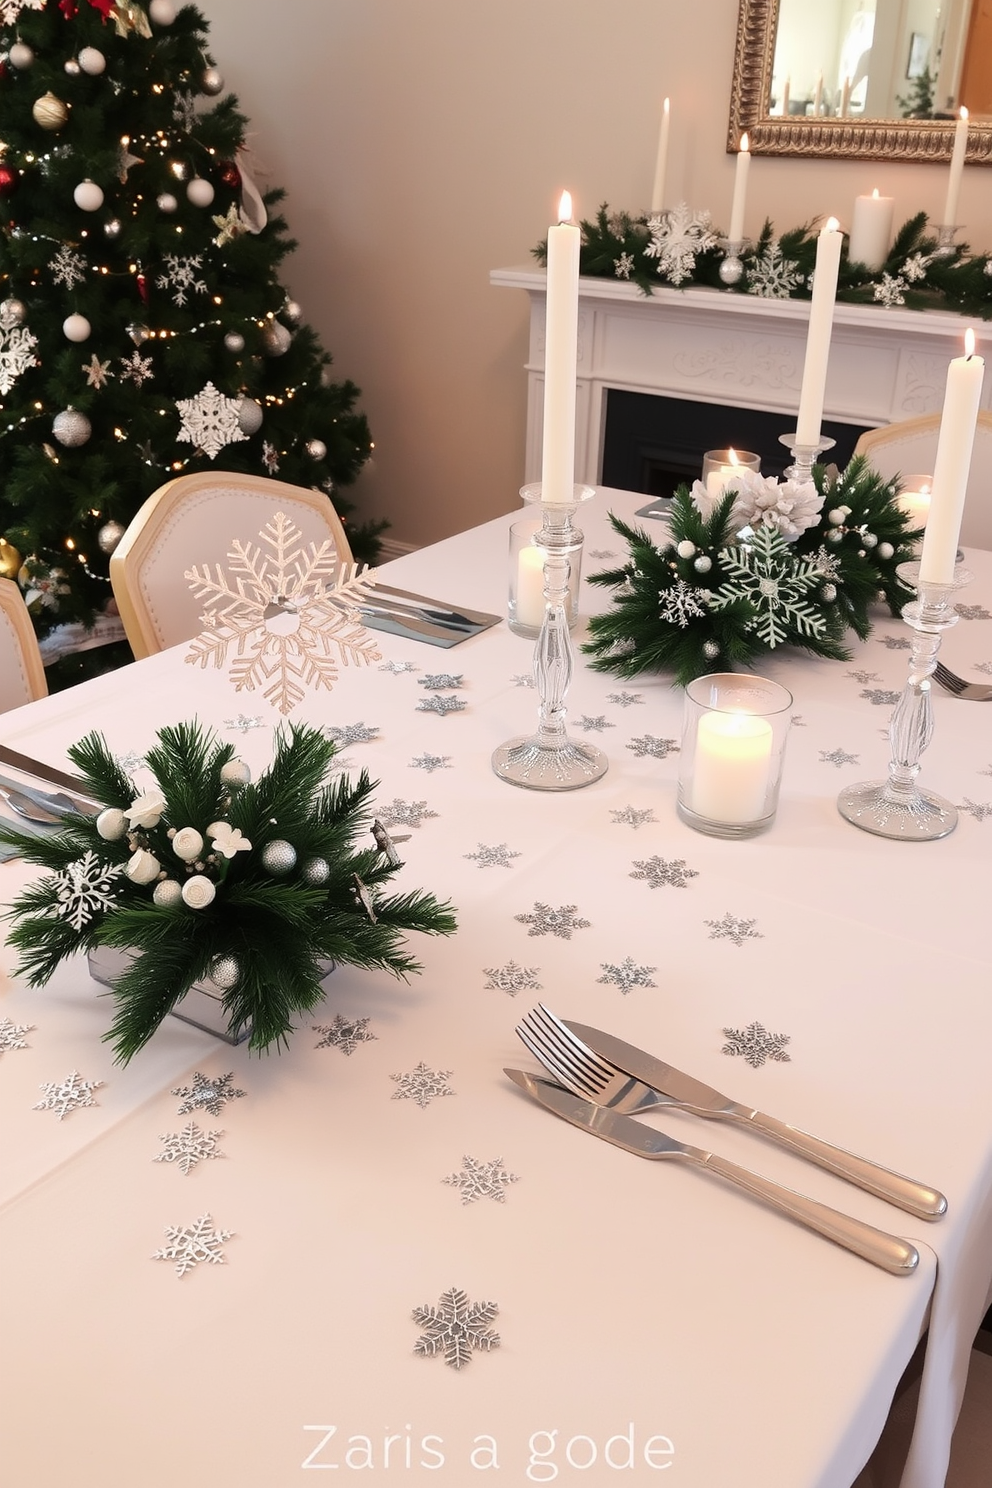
(548, 759)
(897, 807)
(804, 456)
(731, 269)
(946, 246)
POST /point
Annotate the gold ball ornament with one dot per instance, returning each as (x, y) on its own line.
(10, 560)
(109, 536)
(50, 112)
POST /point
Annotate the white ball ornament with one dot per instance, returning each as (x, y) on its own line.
(76, 328)
(235, 342)
(200, 192)
(703, 564)
(167, 893)
(316, 449)
(198, 892)
(249, 416)
(111, 824)
(278, 857)
(21, 56)
(88, 196)
(109, 536)
(235, 772)
(162, 12)
(92, 61)
(71, 428)
(885, 551)
(187, 844)
(166, 202)
(686, 549)
(293, 312)
(12, 312)
(71, 67)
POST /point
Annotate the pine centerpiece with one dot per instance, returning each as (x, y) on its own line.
(208, 876)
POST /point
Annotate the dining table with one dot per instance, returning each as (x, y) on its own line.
(230, 1268)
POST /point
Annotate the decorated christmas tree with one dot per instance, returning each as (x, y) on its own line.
(144, 333)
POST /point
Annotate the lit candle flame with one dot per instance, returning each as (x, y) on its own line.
(565, 207)
(732, 457)
(962, 112)
(875, 193)
(831, 225)
(744, 144)
(969, 342)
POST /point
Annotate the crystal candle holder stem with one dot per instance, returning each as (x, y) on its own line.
(548, 759)
(804, 456)
(897, 808)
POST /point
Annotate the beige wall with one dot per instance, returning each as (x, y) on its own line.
(424, 142)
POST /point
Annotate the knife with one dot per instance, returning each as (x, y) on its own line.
(39, 771)
(662, 1085)
(887, 1251)
(435, 607)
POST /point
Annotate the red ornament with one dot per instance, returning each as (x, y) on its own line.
(9, 180)
(103, 6)
(142, 284)
(230, 175)
(69, 9)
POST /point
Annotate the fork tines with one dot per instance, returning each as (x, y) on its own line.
(556, 1047)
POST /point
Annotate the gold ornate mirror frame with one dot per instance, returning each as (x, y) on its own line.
(851, 139)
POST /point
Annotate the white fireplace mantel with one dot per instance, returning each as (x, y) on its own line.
(738, 350)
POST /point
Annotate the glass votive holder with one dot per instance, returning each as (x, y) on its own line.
(526, 599)
(733, 745)
(721, 465)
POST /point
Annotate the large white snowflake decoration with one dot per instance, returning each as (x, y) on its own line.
(680, 603)
(773, 277)
(290, 614)
(181, 276)
(16, 355)
(455, 1327)
(68, 1095)
(210, 421)
(766, 572)
(677, 238)
(85, 889)
(190, 1244)
(68, 267)
(11, 9)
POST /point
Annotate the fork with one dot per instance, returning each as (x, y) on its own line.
(595, 1078)
(972, 692)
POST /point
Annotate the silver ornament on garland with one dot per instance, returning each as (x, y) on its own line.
(211, 82)
(235, 342)
(71, 428)
(275, 339)
(109, 536)
(167, 893)
(225, 971)
(250, 416)
(315, 871)
(316, 449)
(278, 857)
(711, 650)
(12, 313)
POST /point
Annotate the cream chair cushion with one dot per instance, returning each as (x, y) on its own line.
(22, 675)
(193, 521)
(910, 448)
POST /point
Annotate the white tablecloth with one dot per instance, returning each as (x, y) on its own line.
(646, 1312)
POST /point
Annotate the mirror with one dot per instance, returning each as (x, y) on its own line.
(863, 79)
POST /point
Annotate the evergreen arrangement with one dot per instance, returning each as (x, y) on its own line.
(144, 332)
(254, 888)
(765, 564)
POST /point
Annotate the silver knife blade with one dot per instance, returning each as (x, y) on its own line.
(438, 607)
(622, 1131)
(39, 771)
(663, 1077)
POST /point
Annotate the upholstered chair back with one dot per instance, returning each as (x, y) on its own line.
(22, 675)
(910, 448)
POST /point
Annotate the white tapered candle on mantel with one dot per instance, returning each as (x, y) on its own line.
(845, 98)
(962, 396)
(561, 358)
(871, 230)
(958, 152)
(736, 230)
(786, 88)
(818, 96)
(661, 159)
(821, 316)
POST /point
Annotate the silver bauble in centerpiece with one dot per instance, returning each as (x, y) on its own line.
(235, 773)
(109, 536)
(711, 650)
(315, 871)
(167, 893)
(71, 428)
(278, 857)
(250, 416)
(316, 449)
(225, 971)
(275, 339)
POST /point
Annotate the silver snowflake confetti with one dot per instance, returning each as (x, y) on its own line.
(207, 1094)
(68, 1095)
(442, 706)
(880, 697)
(455, 1327)
(736, 930)
(627, 975)
(624, 699)
(677, 237)
(650, 746)
(478, 1180)
(210, 421)
(181, 276)
(136, 369)
(980, 810)
(796, 721)
(838, 757)
(16, 355)
(352, 733)
(984, 666)
(547, 921)
(755, 1044)
(597, 724)
(345, 1034)
(192, 1245)
(863, 676)
(431, 762)
(397, 668)
(973, 612)
(895, 643)
(771, 276)
(492, 857)
(84, 889)
(680, 603)
(97, 372)
(441, 681)
(12, 1035)
(130, 760)
(663, 873)
(189, 1147)
(512, 978)
(631, 816)
(422, 1085)
(244, 724)
(67, 267)
(601, 553)
(406, 814)
(766, 572)
(523, 679)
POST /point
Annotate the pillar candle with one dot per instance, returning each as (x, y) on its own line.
(818, 95)
(530, 603)
(731, 767)
(957, 169)
(871, 230)
(560, 358)
(914, 498)
(736, 231)
(661, 160)
(952, 465)
(821, 315)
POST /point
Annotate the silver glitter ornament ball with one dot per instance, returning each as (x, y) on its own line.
(167, 893)
(316, 449)
(730, 271)
(703, 564)
(235, 342)
(12, 312)
(278, 857)
(249, 416)
(315, 871)
(212, 82)
(275, 339)
(71, 428)
(109, 536)
(711, 650)
(225, 971)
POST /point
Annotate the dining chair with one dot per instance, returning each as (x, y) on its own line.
(910, 447)
(193, 520)
(22, 674)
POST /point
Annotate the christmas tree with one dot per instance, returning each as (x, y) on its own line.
(144, 333)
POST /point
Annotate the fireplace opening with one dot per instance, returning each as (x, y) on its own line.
(654, 444)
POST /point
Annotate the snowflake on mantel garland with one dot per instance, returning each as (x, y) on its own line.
(678, 237)
(889, 292)
(773, 277)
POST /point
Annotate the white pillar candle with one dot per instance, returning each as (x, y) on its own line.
(821, 315)
(957, 169)
(952, 465)
(845, 98)
(661, 159)
(914, 498)
(818, 96)
(731, 767)
(530, 587)
(560, 358)
(716, 480)
(736, 230)
(871, 230)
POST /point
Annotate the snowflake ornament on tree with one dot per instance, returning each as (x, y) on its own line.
(85, 889)
(210, 421)
(16, 355)
(181, 276)
(190, 1244)
(290, 614)
(769, 575)
(773, 277)
(455, 1327)
(68, 267)
(677, 239)
(136, 369)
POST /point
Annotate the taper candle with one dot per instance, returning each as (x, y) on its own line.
(736, 230)
(818, 96)
(661, 160)
(958, 152)
(962, 395)
(560, 358)
(821, 315)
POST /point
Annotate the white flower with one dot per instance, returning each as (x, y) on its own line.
(763, 501)
(226, 839)
(111, 824)
(198, 892)
(187, 844)
(143, 867)
(146, 810)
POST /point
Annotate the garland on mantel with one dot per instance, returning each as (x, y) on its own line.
(680, 247)
(766, 564)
